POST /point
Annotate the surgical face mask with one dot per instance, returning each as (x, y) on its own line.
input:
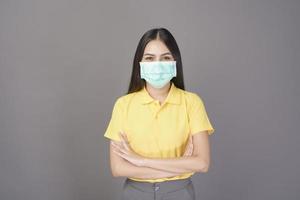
(158, 73)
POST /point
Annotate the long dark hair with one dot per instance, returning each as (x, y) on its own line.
(136, 83)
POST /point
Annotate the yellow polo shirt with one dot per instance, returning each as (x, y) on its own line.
(159, 131)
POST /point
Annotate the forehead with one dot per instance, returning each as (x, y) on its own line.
(156, 47)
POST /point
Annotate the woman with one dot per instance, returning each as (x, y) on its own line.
(159, 132)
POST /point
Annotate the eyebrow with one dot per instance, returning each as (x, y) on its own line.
(154, 55)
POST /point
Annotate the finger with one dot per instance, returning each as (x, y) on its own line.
(124, 151)
(122, 139)
(188, 144)
(117, 152)
(189, 152)
(125, 136)
(121, 144)
(115, 144)
(190, 149)
(186, 150)
(125, 141)
(191, 138)
(192, 145)
(122, 155)
(122, 136)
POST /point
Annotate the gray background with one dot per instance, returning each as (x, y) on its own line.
(64, 63)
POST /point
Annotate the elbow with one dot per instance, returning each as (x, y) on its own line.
(114, 172)
(203, 166)
(205, 169)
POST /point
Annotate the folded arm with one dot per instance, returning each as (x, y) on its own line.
(198, 162)
(178, 165)
(122, 168)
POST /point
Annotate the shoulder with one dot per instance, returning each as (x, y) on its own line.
(123, 101)
(191, 98)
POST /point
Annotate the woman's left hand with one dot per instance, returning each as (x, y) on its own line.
(125, 151)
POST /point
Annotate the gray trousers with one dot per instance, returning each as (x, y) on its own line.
(182, 189)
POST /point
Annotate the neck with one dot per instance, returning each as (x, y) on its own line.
(158, 93)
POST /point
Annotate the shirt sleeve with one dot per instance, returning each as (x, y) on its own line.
(116, 122)
(198, 118)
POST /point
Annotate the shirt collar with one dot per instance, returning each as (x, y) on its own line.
(173, 95)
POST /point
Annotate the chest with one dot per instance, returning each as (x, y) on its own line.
(155, 127)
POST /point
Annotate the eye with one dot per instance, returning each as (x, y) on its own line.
(167, 58)
(148, 58)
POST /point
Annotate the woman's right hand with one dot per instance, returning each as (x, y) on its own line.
(189, 147)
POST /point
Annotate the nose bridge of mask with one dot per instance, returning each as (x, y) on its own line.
(158, 67)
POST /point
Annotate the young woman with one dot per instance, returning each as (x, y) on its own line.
(158, 130)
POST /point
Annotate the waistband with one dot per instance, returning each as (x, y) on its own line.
(159, 187)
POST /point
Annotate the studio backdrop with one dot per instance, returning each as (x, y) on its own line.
(63, 63)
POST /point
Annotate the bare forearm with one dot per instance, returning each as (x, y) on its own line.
(127, 169)
(177, 165)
